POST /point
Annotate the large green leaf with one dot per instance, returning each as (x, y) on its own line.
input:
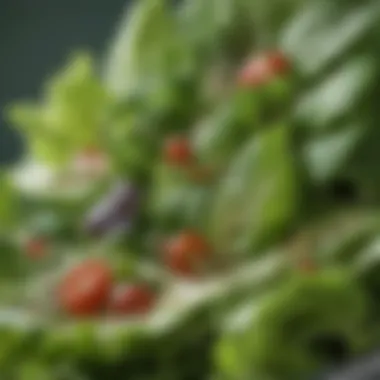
(258, 197)
(278, 338)
(143, 48)
(323, 31)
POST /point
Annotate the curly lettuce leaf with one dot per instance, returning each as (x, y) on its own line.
(279, 338)
(69, 115)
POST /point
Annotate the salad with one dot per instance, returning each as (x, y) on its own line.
(203, 207)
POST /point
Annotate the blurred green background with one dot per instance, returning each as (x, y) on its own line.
(35, 38)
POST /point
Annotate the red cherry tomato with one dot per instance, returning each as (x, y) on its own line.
(187, 253)
(278, 62)
(129, 299)
(85, 289)
(177, 150)
(262, 69)
(36, 248)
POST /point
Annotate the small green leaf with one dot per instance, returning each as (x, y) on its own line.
(327, 155)
(337, 95)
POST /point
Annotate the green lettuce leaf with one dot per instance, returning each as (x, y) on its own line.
(279, 336)
(69, 115)
(258, 197)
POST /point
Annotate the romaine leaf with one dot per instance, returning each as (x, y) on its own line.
(140, 50)
(321, 32)
(327, 156)
(336, 96)
(258, 196)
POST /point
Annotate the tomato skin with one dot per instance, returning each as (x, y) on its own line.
(85, 289)
(36, 248)
(262, 69)
(177, 151)
(278, 62)
(187, 253)
(127, 299)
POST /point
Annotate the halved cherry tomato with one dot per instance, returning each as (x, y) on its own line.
(36, 248)
(127, 299)
(85, 289)
(262, 69)
(177, 151)
(187, 253)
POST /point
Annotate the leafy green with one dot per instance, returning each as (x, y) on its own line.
(258, 196)
(337, 95)
(327, 155)
(175, 202)
(279, 339)
(157, 72)
(9, 203)
(143, 48)
(69, 116)
(322, 32)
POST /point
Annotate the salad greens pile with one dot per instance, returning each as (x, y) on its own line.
(206, 207)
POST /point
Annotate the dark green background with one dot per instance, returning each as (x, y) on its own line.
(35, 38)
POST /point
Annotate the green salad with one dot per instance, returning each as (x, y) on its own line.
(204, 204)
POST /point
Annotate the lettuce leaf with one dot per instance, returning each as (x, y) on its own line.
(69, 115)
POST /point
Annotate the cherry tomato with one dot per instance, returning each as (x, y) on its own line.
(278, 62)
(187, 253)
(177, 150)
(36, 248)
(262, 69)
(129, 299)
(85, 289)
